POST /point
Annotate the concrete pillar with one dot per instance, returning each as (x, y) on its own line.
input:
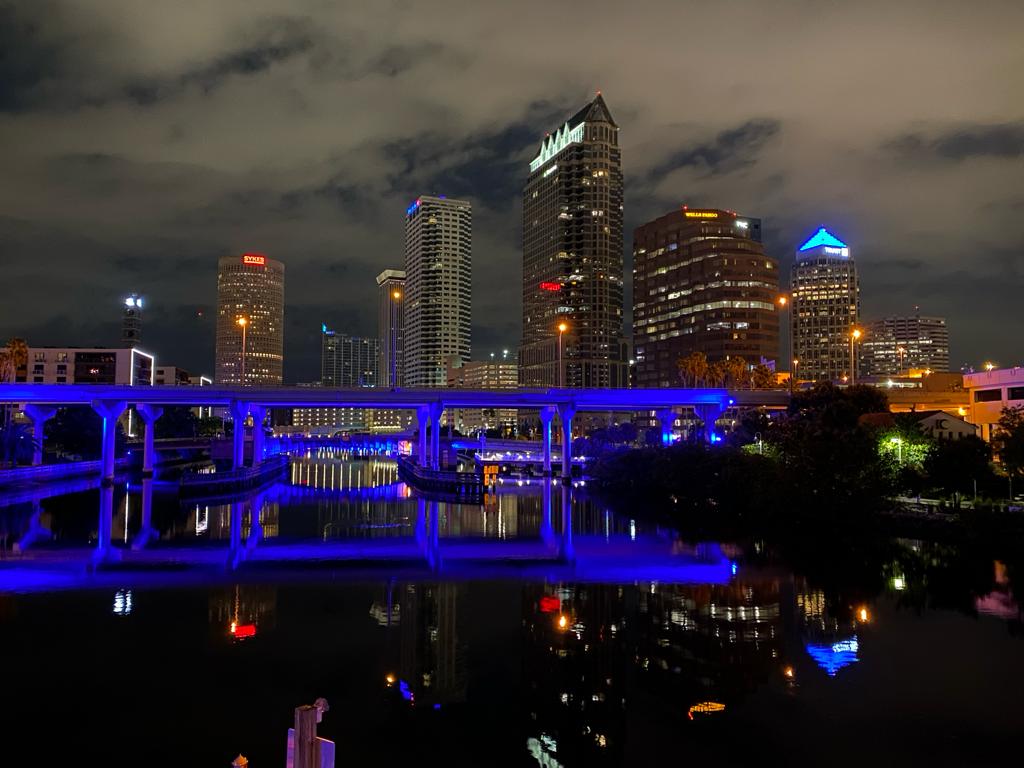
(709, 413)
(435, 435)
(259, 413)
(110, 411)
(239, 411)
(146, 531)
(422, 421)
(566, 413)
(667, 419)
(546, 416)
(149, 414)
(38, 415)
(255, 525)
(36, 530)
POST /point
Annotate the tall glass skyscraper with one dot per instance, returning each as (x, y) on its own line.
(347, 362)
(438, 286)
(391, 326)
(572, 256)
(250, 287)
(826, 308)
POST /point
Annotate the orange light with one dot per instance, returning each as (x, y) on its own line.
(783, 301)
(390, 679)
(396, 295)
(242, 321)
(562, 327)
(857, 333)
(788, 672)
(563, 621)
(862, 614)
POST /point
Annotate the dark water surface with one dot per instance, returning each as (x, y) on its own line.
(902, 653)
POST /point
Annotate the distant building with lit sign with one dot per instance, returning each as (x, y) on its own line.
(825, 308)
(572, 256)
(896, 344)
(391, 327)
(701, 283)
(438, 288)
(250, 286)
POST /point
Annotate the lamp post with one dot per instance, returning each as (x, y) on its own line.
(243, 322)
(562, 328)
(783, 302)
(898, 441)
(396, 296)
(792, 374)
(900, 352)
(855, 335)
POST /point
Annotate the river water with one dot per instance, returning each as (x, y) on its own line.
(901, 652)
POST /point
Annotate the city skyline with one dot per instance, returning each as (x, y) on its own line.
(156, 183)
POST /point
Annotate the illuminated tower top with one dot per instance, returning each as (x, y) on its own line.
(131, 320)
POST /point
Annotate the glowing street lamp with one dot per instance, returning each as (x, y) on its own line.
(989, 366)
(396, 297)
(900, 352)
(243, 322)
(898, 442)
(793, 373)
(855, 335)
(562, 328)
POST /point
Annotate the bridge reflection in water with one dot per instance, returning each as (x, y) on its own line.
(334, 511)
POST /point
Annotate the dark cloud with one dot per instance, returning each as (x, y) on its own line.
(27, 59)
(728, 151)
(1002, 141)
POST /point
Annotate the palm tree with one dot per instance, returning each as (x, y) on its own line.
(762, 377)
(693, 369)
(735, 371)
(717, 374)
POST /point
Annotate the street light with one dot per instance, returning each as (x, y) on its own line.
(900, 351)
(898, 442)
(562, 328)
(855, 335)
(243, 322)
(783, 302)
(396, 296)
(989, 366)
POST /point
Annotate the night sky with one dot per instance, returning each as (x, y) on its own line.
(140, 141)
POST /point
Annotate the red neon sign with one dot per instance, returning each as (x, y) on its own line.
(254, 259)
(551, 286)
(550, 604)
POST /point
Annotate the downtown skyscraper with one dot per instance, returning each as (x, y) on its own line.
(391, 326)
(701, 283)
(825, 309)
(250, 320)
(894, 345)
(347, 362)
(438, 286)
(572, 257)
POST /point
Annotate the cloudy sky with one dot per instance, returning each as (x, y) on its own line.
(141, 140)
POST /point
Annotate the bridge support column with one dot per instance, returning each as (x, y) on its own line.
(566, 413)
(104, 550)
(546, 417)
(667, 419)
(709, 413)
(435, 435)
(259, 413)
(422, 422)
(36, 530)
(38, 415)
(110, 411)
(149, 414)
(239, 411)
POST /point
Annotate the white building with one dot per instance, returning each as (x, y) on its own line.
(990, 392)
(90, 365)
(438, 284)
(945, 426)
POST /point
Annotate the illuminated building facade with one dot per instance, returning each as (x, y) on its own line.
(572, 256)
(438, 285)
(825, 308)
(701, 283)
(390, 326)
(895, 345)
(990, 392)
(347, 362)
(250, 286)
(131, 321)
(89, 365)
(498, 372)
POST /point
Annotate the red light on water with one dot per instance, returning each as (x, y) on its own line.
(550, 604)
(240, 631)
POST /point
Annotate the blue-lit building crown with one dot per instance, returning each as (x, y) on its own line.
(823, 238)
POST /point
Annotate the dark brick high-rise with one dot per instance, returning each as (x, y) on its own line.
(572, 255)
(701, 283)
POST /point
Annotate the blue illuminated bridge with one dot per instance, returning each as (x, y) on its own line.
(110, 402)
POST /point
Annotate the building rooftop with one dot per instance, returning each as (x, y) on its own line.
(823, 237)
